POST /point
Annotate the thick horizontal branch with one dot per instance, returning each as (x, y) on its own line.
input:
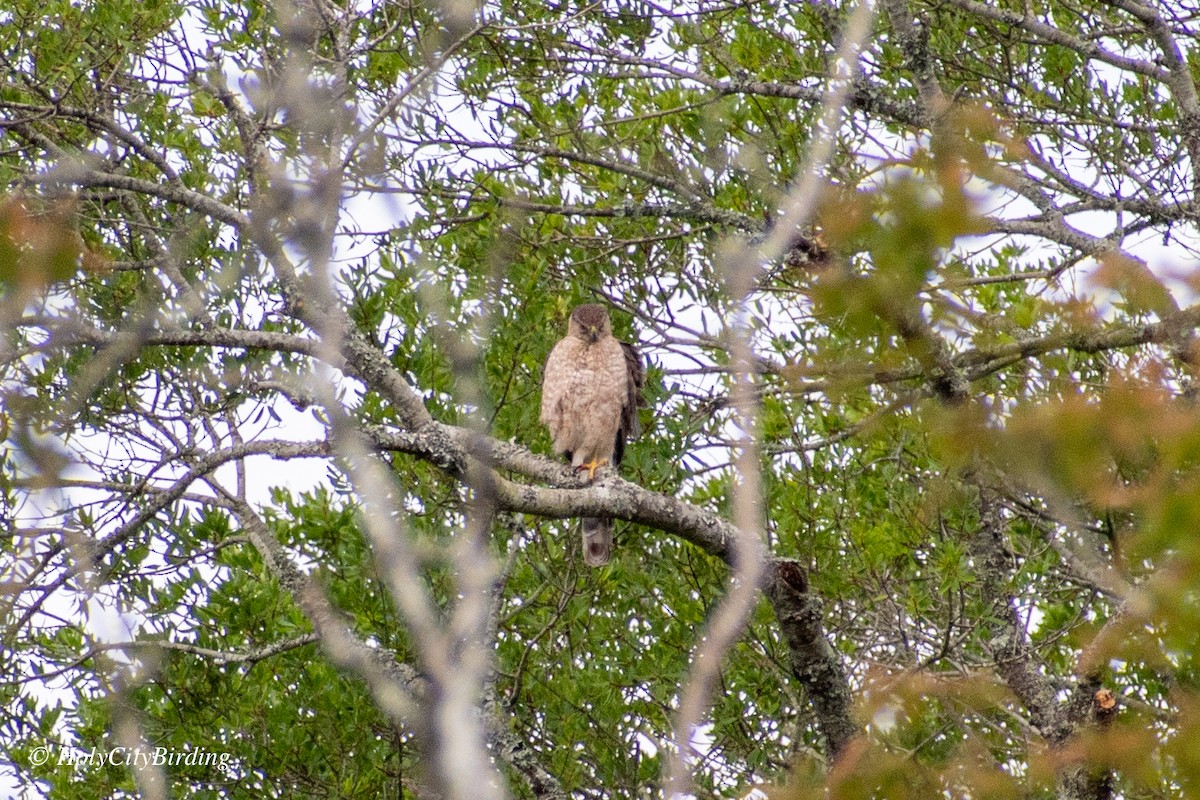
(568, 495)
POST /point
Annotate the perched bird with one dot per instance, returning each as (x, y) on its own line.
(591, 390)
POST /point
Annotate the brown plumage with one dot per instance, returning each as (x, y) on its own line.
(591, 390)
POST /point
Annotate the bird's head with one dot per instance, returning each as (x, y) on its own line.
(590, 323)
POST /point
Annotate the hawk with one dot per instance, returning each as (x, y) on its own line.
(591, 390)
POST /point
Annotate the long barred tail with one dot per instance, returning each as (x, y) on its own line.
(597, 540)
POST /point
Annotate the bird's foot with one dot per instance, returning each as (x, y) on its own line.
(592, 466)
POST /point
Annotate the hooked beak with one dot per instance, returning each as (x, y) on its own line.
(593, 334)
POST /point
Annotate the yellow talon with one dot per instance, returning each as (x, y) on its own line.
(592, 466)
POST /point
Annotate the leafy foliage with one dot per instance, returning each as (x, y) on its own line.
(239, 233)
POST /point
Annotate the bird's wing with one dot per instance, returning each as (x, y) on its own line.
(635, 371)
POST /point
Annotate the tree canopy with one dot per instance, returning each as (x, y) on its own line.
(913, 510)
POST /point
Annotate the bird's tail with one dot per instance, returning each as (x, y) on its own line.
(597, 540)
